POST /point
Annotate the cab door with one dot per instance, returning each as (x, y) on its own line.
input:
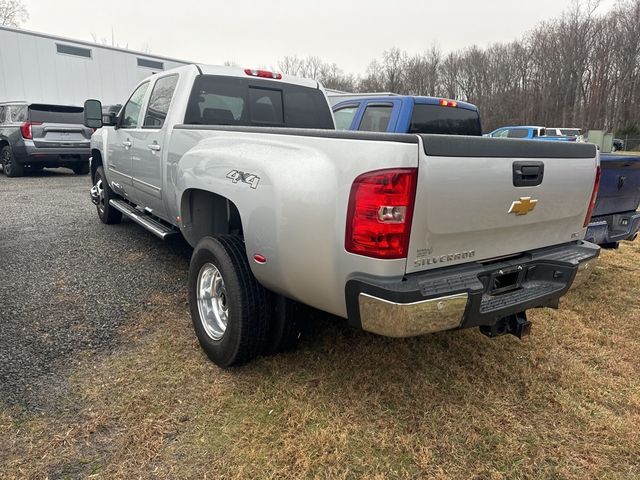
(148, 149)
(121, 141)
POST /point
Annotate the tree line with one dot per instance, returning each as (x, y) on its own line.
(579, 70)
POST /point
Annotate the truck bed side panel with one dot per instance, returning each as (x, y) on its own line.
(296, 215)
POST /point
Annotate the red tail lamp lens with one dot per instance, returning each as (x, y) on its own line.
(380, 213)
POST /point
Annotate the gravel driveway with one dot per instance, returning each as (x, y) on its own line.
(67, 282)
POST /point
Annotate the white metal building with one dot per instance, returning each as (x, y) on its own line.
(37, 67)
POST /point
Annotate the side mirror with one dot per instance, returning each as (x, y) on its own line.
(93, 114)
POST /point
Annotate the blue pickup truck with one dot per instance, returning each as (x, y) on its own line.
(530, 133)
(615, 217)
(398, 113)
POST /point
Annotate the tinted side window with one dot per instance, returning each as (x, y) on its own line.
(518, 133)
(500, 134)
(376, 118)
(159, 101)
(344, 117)
(131, 111)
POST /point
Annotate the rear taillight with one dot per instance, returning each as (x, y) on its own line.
(594, 195)
(25, 129)
(380, 213)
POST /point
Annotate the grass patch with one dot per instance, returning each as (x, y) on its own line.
(563, 404)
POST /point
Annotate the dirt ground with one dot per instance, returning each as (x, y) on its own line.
(565, 403)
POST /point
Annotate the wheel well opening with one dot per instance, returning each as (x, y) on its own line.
(96, 161)
(205, 214)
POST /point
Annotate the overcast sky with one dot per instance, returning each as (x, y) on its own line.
(256, 33)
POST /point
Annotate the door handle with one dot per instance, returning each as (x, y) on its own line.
(154, 147)
(126, 144)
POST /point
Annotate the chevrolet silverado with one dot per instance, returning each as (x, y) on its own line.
(401, 234)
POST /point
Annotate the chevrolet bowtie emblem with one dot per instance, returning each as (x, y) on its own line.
(523, 206)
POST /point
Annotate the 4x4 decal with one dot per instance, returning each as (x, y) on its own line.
(244, 177)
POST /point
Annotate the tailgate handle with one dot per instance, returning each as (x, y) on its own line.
(527, 174)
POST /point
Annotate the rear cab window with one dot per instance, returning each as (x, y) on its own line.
(219, 100)
(437, 119)
(54, 114)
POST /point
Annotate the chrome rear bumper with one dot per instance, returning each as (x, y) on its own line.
(470, 295)
(410, 319)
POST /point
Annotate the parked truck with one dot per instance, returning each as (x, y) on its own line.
(401, 234)
(616, 216)
(407, 114)
(532, 133)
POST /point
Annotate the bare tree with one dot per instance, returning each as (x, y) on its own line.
(579, 70)
(13, 13)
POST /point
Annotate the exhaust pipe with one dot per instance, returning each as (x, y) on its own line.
(516, 325)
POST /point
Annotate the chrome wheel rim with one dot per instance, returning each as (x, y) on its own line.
(212, 301)
(100, 194)
(6, 160)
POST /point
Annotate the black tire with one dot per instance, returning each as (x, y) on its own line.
(81, 169)
(10, 166)
(247, 302)
(106, 212)
(285, 329)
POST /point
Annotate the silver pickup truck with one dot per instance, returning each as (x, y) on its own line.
(402, 234)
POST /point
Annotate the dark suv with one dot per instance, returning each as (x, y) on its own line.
(34, 136)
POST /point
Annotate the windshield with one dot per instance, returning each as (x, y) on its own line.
(445, 120)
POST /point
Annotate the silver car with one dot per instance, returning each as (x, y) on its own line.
(34, 136)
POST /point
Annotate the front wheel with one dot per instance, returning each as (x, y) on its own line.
(10, 166)
(101, 194)
(229, 308)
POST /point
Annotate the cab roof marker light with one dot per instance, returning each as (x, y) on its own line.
(448, 103)
(263, 74)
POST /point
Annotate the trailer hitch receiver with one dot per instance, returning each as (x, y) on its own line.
(516, 325)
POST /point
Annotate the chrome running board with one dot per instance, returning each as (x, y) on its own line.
(145, 220)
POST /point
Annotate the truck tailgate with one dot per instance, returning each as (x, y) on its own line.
(467, 187)
(620, 184)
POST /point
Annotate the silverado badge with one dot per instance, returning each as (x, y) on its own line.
(523, 206)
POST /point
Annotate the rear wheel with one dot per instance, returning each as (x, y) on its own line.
(9, 164)
(102, 193)
(229, 308)
(81, 169)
